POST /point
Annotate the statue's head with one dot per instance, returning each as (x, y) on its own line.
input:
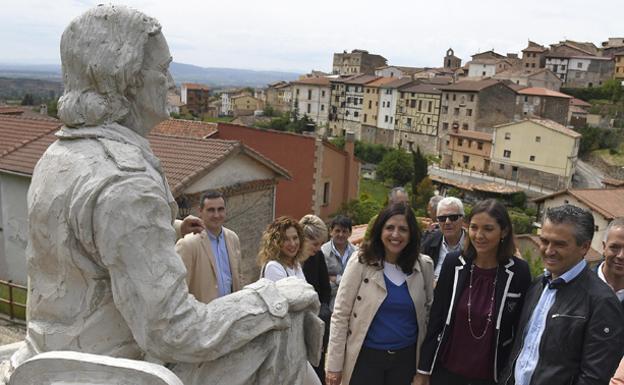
(115, 69)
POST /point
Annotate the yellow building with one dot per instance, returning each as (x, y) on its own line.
(417, 114)
(536, 151)
(470, 149)
(619, 65)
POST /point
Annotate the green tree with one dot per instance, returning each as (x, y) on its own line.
(424, 192)
(522, 223)
(268, 110)
(420, 173)
(396, 168)
(28, 100)
(53, 108)
(360, 210)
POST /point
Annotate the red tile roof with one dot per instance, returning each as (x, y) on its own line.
(10, 110)
(423, 89)
(545, 123)
(579, 103)
(317, 81)
(380, 82)
(185, 128)
(184, 160)
(471, 85)
(539, 91)
(196, 86)
(607, 202)
(16, 130)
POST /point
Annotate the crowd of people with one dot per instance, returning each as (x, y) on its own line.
(450, 304)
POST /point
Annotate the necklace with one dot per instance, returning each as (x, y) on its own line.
(490, 311)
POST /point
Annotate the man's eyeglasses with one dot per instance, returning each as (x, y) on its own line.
(452, 218)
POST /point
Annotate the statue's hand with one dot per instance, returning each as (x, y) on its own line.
(299, 294)
(191, 224)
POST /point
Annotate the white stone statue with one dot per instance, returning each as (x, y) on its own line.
(103, 274)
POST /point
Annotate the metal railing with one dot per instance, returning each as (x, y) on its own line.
(12, 304)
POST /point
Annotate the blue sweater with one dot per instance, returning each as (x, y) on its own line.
(394, 326)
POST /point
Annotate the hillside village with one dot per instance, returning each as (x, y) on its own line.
(498, 125)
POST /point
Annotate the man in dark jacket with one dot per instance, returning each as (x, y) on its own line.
(571, 330)
(450, 236)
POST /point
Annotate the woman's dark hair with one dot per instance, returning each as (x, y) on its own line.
(496, 210)
(373, 252)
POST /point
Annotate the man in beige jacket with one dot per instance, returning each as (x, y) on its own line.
(212, 257)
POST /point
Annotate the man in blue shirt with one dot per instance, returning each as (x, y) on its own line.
(571, 330)
(212, 257)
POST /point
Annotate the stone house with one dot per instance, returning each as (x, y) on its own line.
(579, 64)
(192, 165)
(473, 105)
(533, 56)
(470, 149)
(536, 151)
(311, 97)
(357, 62)
(245, 105)
(279, 96)
(489, 63)
(604, 204)
(544, 103)
(417, 114)
(542, 77)
(337, 104)
(196, 98)
(323, 176)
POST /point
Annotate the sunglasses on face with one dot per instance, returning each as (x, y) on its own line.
(452, 218)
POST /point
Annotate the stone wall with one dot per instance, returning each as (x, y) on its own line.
(529, 176)
(496, 106)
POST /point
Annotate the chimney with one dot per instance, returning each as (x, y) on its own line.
(43, 109)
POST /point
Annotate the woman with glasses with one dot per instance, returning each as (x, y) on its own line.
(477, 302)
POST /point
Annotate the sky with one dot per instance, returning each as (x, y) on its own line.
(298, 36)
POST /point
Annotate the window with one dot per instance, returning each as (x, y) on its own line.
(356, 114)
(413, 103)
(446, 96)
(460, 142)
(445, 126)
(483, 73)
(501, 166)
(391, 119)
(370, 104)
(368, 90)
(429, 106)
(464, 126)
(507, 154)
(468, 112)
(526, 99)
(419, 105)
(323, 93)
(444, 109)
(409, 122)
(365, 117)
(469, 143)
(309, 94)
(386, 119)
(322, 107)
(538, 139)
(466, 159)
(507, 135)
(428, 120)
(456, 111)
(563, 67)
(349, 100)
(532, 158)
(297, 91)
(454, 97)
(532, 65)
(326, 193)
(309, 108)
(579, 65)
(480, 145)
(472, 97)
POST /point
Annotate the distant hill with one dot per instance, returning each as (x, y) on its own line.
(215, 77)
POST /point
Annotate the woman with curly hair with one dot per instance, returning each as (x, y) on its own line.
(281, 250)
(382, 306)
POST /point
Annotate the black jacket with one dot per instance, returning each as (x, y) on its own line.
(315, 272)
(583, 339)
(431, 243)
(513, 280)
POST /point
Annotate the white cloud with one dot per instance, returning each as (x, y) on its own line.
(296, 35)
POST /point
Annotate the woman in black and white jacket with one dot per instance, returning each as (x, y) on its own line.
(477, 303)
